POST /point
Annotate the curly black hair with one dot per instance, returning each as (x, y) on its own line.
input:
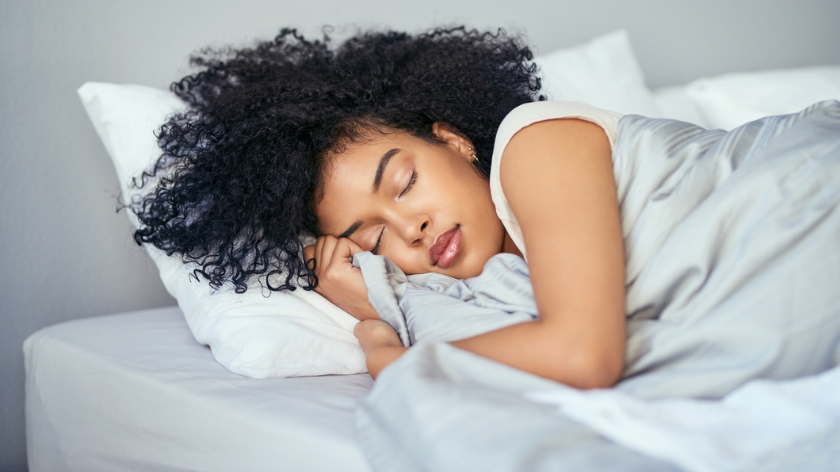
(235, 186)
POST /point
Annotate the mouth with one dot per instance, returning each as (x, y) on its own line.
(446, 247)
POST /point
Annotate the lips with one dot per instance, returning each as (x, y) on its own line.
(446, 248)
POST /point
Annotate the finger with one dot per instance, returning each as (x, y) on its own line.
(317, 263)
(309, 256)
(316, 255)
(354, 248)
(361, 327)
(326, 251)
(319, 254)
(343, 252)
(357, 329)
(316, 252)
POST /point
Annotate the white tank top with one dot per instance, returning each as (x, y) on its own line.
(523, 116)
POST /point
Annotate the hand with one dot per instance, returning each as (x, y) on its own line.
(381, 344)
(338, 281)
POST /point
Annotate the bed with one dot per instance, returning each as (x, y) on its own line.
(135, 391)
(142, 391)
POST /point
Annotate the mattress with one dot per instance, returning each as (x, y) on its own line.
(135, 391)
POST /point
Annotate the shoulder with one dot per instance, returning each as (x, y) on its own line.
(544, 139)
(534, 112)
(550, 148)
(528, 114)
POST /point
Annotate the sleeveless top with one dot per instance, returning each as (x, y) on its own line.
(523, 116)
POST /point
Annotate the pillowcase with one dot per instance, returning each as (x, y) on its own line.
(257, 334)
(603, 73)
(731, 100)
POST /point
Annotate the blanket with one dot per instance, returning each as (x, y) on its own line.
(733, 293)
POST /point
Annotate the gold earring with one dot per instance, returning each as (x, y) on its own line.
(475, 158)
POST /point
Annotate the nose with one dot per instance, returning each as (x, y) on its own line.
(412, 227)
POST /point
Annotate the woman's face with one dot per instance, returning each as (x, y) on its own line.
(421, 204)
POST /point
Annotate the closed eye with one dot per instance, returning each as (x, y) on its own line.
(411, 183)
(375, 249)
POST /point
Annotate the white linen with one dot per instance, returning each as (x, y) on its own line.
(136, 392)
(603, 72)
(676, 104)
(763, 425)
(730, 100)
(286, 334)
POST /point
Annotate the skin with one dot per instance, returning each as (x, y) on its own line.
(557, 168)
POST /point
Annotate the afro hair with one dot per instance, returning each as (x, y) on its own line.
(234, 188)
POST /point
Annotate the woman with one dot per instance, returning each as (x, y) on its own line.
(422, 205)
(384, 144)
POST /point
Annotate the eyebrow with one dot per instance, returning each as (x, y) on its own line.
(377, 181)
(352, 229)
(386, 158)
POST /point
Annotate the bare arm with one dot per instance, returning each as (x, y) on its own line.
(558, 178)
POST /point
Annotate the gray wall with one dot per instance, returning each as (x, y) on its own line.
(65, 253)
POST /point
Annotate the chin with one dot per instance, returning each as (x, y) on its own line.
(471, 269)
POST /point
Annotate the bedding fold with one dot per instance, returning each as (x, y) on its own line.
(437, 307)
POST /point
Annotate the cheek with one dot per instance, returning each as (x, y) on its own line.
(403, 260)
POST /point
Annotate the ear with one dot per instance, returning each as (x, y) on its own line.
(452, 136)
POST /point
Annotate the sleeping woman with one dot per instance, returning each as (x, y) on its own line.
(435, 151)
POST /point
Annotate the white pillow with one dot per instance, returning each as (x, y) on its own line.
(286, 334)
(603, 73)
(675, 103)
(731, 100)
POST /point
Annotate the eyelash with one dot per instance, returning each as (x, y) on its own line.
(375, 249)
(411, 183)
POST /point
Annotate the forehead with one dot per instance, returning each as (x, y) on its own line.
(359, 156)
(347, 180)
(356, 159)
(370, 147)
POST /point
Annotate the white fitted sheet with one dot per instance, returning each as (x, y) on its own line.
(135, 391)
